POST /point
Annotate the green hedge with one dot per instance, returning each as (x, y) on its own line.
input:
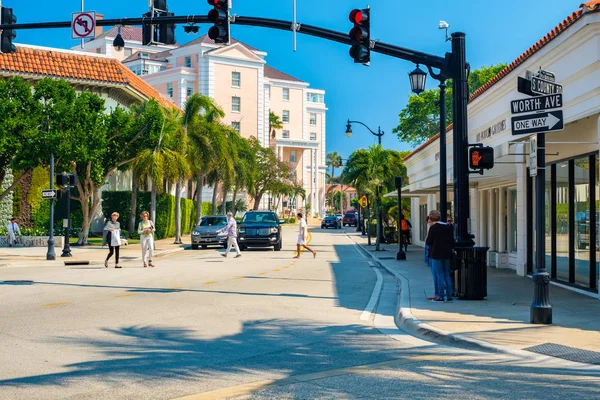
(165, 210)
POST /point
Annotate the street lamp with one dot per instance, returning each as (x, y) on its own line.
(379, 134)
(401, 255)
(417, 80)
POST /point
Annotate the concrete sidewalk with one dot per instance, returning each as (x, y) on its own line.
(36, 256)
(501, 322)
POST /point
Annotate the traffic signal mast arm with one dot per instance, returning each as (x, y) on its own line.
(416, 57)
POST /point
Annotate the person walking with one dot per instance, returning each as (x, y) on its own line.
(13, 229)
(146, 231)
(429, 263)
(113, 238)
(405, 227)
(231, 230)
(440, 239)
(302, 235)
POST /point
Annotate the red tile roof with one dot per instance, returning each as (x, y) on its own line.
(128, 32)
(42, 62)
(590, 6)
(273, 73)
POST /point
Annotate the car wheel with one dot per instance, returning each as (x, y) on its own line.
(224, 245)
(277, 246)
(194, 246)
(204, 246)
(242, 247)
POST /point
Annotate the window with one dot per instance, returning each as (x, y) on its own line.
(293, 155)
(313, 118)
(188, 62)
(127, 51)
(313, 136)
(285, 134)
(236, 79)
(236, 104)
(236, 125)
(286, 93)
(315, 97)
(190, 89)
(293, 176)
(285, 117)
(99, 50)
(170, 89)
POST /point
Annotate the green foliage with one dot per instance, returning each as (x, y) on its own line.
(6, 204)
(274, 123)
(419, 119)
(40, 208)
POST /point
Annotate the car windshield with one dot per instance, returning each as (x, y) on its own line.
(259, 218)
(212, 221)
(330, 218)
(349, 215)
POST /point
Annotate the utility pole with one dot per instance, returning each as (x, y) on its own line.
(51, 255)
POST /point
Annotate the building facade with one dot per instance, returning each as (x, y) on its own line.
(237, 77)
(502, 201)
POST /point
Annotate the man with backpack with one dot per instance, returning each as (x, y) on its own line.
(405, 227)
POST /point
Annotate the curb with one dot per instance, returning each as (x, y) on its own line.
(56, 263)
(405, 319)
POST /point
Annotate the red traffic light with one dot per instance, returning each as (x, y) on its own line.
(359, 16)
(217, 3)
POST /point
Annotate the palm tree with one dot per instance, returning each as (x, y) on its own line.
(243, 170)
(274, 123)
(334, 160)
(201, 118)
(166, 161)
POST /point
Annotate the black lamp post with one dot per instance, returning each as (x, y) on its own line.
(379, 134)
(401, 255)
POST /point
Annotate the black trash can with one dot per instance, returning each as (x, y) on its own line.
(472, 272)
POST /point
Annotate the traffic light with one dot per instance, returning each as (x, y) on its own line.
(219, 15)
(360, 35)
(148, 31)
(166, 33)
(481, 158)
(8, 35)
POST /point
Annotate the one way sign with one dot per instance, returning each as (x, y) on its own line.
(537, 123)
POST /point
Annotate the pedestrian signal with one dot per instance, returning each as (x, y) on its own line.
(481, 158)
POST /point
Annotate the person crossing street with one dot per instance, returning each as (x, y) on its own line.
(302, 235)
(231, 230)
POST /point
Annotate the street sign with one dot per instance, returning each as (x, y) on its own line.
(537, 123)
(543, 86)
(538, 103)
(49, 194)
(533, 156)
(83, 25)
(363, 202)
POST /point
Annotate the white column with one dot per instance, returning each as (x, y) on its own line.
(475, 208)
(491, 220)
(483, 215)
(431, 202)
(509, 223)
(501, 219)
(312, 182)
(415, 219)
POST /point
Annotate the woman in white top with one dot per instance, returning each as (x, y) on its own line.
(302, 234)
(146, 231)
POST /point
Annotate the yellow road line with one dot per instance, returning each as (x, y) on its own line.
(276, 270)
(262, 273)
(239, 277)
(56, 304)
(210, 282)
(287, 266)
(125, 295)
(252, 387)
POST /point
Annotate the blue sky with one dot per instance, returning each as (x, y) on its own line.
(497, 31)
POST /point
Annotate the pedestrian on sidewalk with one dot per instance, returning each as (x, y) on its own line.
(13, 229)
(113, 238)
(146, 231)
(405, 227)
(302, 235)
(231, 230)
(429, 263)
(441, 251)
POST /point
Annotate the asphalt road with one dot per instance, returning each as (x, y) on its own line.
(261, 326)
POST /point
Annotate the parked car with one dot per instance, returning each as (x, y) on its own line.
(331, 221)
(260, 229)
(350, 219)
(205, 233)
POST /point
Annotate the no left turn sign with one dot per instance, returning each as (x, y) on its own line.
(83, 25)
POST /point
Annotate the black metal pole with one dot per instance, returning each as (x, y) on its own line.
(380, 235)
(443, 174)
(51, 255)
(66, 252)
(401, 255)
(368, 221)
(461, 142)
(541, 310)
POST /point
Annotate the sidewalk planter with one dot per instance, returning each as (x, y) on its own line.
(32, 241)
(472, 272)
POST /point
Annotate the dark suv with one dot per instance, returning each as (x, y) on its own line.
(350, 219)
(260, 229)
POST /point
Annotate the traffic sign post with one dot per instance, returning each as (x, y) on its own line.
(537, 103)
(543, 86)
(533, 148)
(50, 194)
(83, 25)
(537, 123)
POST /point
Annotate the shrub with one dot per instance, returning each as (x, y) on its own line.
(292, 220)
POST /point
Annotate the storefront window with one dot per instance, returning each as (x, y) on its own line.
(582, 221)
(422, 221)
(512, 214)
(562, 221)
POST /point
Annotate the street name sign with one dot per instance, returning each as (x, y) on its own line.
(543, 86)
(538, 103)
(83, 25)
(537, 123)
(49, 194)
(533, 156)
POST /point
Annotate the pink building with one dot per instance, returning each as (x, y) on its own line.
(237, 78)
